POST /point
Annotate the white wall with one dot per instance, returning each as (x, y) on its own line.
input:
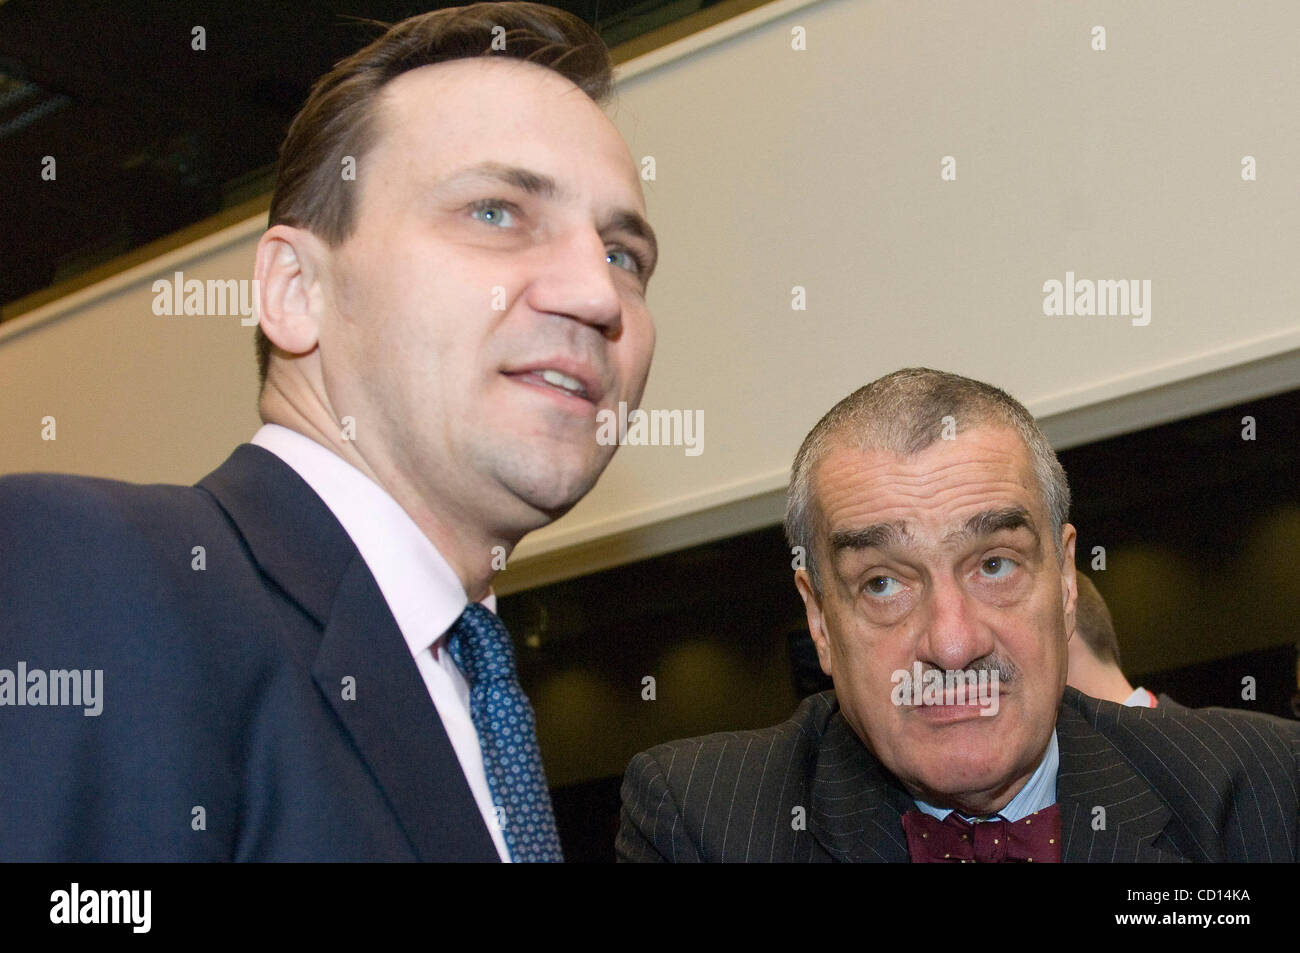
(821, 168)
(134, 396)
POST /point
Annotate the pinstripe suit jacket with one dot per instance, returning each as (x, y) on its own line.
(1176, 784)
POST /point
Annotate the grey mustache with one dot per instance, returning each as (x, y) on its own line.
(1005, 669)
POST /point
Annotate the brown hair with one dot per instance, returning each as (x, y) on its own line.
(1092, 622)
(338, 120)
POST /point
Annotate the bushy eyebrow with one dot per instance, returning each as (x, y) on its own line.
(897, 534)
(875, 536)
(988, 522)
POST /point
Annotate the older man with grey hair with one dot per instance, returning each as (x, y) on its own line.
(940, 593)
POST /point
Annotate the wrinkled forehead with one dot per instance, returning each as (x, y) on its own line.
(930, 495)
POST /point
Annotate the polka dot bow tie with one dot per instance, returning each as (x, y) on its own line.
(480, 645)
(1034, 839)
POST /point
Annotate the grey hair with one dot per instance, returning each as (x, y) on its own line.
(904, 413)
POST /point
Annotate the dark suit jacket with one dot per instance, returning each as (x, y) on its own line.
(1165, 701)
(223, 688)
(1209, 785)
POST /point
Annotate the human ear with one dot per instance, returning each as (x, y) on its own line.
(287, 270)
(816, 617)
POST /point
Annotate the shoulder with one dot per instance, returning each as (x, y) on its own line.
(1204, 733)
(86, 537)
(734, 761)
(801, 730)
(91, 563)
(1238, 745)
(724, 796)
(1237, 768)
(41, 510)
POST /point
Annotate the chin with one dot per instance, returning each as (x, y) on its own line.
(946, 781)
(962, 776)
(547, 475)
(555, 492)
(982, 767)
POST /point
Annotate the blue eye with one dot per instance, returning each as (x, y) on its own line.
(494, 212)
(624, 259)
(997, 567)
(890, 587)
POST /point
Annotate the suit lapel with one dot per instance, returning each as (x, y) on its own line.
(395, 725)
(297, 542)
(1109, 814)
(291, 534)
(857, 807)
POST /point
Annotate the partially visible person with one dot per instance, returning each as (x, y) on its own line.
(1094, 653)
(299, 658)
(933, 515)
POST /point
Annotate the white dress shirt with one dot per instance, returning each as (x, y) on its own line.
(1141, 698)
(422, 591)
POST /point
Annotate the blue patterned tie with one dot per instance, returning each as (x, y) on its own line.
(480, 645)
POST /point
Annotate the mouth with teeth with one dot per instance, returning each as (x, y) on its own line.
(555, 380)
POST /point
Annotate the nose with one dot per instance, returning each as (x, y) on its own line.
(576, 282)
(953, 637)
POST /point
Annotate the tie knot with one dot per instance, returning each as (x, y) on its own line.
(480, 646)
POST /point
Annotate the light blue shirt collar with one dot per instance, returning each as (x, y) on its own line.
(1039, 791)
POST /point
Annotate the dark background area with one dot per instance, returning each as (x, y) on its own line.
(1201, 532)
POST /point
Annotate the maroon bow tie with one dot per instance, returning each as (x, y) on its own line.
(1033, 839)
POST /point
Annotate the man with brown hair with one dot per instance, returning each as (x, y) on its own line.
(300, 658)
(1094, 652)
